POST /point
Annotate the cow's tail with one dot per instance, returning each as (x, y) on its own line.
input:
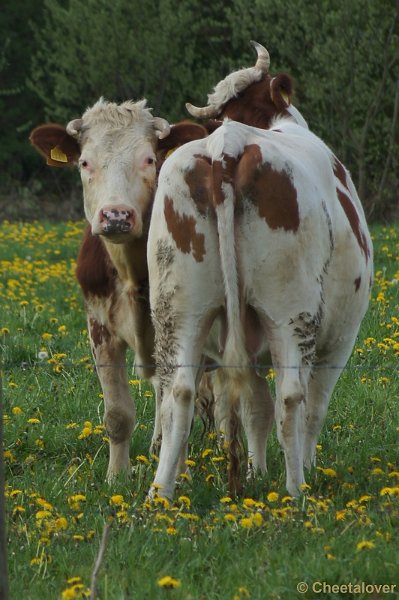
(235, 357)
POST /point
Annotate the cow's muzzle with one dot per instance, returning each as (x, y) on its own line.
(114, 220)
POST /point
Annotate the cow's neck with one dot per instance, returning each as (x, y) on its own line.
(130, 260)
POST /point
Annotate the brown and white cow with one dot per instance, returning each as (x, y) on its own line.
(115, 147)
(259, 235)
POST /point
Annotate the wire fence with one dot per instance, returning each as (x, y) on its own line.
(81, 363)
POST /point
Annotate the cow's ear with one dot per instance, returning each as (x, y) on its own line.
(56, 145)
(180, 134)
(281, 91)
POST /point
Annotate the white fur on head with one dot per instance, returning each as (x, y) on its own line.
(232, 85)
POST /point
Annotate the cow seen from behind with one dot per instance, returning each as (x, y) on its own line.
(258, 247)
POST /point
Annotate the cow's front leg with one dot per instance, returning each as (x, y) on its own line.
(119, 415)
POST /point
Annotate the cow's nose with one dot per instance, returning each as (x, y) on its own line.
(115, 219)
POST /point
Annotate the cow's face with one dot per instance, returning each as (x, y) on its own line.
(118, 172)
(114, 149)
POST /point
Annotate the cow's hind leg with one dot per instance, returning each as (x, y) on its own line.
(292, 374)
(119, 416)
(324, 377)
(256, 413)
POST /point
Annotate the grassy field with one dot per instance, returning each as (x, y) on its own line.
(342, 532)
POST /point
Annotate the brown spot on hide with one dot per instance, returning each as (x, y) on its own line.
(353, 218)
(183, 230)
(98, 332)
(222, 172)
(95, 271)
(357, 282)
(271, 191)
(349, 208)
(198, 180)
(340, 172)
(47, 137)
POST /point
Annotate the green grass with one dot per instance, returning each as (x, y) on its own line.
(343, 530)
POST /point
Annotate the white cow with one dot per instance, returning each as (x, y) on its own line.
(260, 232)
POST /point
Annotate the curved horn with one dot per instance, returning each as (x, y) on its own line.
(73, 128)
(162, 127)
(206, 112)
(263, 61)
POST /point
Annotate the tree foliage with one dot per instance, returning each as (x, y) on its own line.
(343, 55)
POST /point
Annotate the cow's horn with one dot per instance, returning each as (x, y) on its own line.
(263, 62)
(162, 127)
(73, 128)
(205, 112)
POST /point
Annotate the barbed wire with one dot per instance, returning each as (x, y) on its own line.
(24, 366)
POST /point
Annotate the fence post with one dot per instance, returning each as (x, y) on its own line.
(3, 536)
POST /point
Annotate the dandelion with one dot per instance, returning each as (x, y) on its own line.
(168, 582)
(365, 545)
(206, 452)
(246, 522)
(142, 459)
(377, 471)
(17, 410)
(390, 491)
(61, 523)
(117, 500)
(328, 471)
(185, 500)
(272, 496)
(33, 421)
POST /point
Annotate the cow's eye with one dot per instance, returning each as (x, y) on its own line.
(149, 160)
(83, 164)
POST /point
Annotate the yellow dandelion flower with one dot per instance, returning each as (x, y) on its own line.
(189, 462)
(44, 504)
(17, 510)
(248, 502)
(206, 452)
(8, 455)
(390, 491)
(77, 537)
(246, 523)
(42, 514)
(169, 582)
(61, 523)
(171, 530)
(142, 459)
(365, 545)
(17, 410)
(257, 519)
(117, 499)
(35, 561)
(225, 500)
(272, 497)
(377, 471)
(328, 471)
(33, 421)
(184, 500)
(230, 517)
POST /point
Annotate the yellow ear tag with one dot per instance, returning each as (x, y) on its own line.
(285, 97)
(58, 155)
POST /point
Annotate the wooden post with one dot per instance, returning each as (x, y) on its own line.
(3, 536)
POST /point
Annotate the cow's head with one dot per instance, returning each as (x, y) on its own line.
(114, 147)
(251, 96)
